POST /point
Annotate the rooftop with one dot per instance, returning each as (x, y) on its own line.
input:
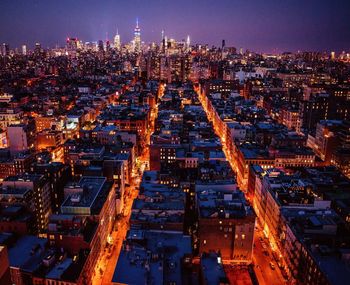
(27, 252)
(88, 196)
(224, 204)
(57, 271)
(212, 269)
(152, 258)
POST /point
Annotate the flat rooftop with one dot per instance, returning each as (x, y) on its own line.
(212, 269)
(27, 252)
(152, 257)
(58, 270)
(86, 195)
(6, 192)
(225, 204)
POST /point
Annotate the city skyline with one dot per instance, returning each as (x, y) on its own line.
(171, 142)
(263, 27)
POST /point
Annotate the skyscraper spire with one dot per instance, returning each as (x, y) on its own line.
(117, 44)
(108, 44)
(137, 37)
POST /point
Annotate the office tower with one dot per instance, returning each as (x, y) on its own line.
(165, 43)
(117, 41)
(223, 44)
(5, 49)
(72, 43)
(108, 45)
(24, 50)
(162, 36)
(137, 38)
(188, 43)
(37, 49)
(332, 55)
(100, 45)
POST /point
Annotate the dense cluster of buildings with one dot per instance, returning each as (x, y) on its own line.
(71, 146)
(173, 163)
(189, 194)
(285, 134)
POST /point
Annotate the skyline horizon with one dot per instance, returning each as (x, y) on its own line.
(110, 38)
(271, 26)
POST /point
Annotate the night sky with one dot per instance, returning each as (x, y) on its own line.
(261, 25)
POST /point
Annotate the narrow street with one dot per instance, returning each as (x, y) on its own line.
(262, 258)
(265, 267)
(109, 257)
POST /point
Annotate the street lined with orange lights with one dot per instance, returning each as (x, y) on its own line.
(266, 268)
(109, 256)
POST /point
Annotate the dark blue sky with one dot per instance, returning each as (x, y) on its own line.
(261, 25)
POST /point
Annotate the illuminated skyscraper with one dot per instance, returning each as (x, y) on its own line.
(165, 43)
(100, 46)
(24, 49)
(162, 44)
(37, 49)
(333, 55)
(117, 41)
(5, 49)
(137, 37)
(188, 43)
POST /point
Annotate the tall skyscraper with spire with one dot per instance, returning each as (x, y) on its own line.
(162, 43)
(117, 41)
(188, 43)
(162, 36)
(137, 37)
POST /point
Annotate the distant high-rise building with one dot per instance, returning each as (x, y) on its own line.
(108, 45)
(165, 43)
(100, 45)
(137, 38)
(117, 41)
(162, 36)
(188, 43)
(24, 49)
(223, 44)
(5, 49)
(37, 49)
(332, 55)
(72, 44)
